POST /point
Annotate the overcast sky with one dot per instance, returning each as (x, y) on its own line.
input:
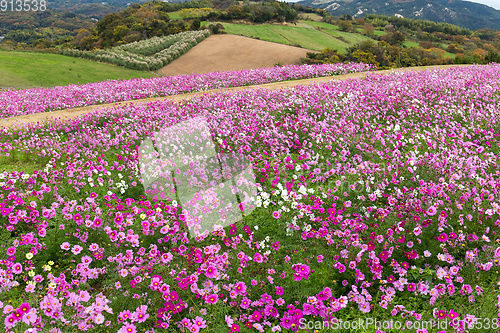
(492, 3)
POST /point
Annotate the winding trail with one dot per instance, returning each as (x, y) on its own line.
(75, 112)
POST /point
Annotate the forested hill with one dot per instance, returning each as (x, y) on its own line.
(462, 13)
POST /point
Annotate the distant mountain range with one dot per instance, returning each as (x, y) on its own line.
(462, 13)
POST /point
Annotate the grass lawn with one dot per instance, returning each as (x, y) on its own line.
(306, 37)
(174, 15)
(375, 32)
(335, 31)
(324, 25)
(410, 44)
(263, 31)
(312, 16)
(311, 39)
(450, 55)
(29, 70)
(379, 33)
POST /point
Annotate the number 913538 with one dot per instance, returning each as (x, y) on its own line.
(23, 5)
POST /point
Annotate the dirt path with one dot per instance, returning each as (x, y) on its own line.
(72, 113)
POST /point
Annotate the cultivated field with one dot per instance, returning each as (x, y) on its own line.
(229, 52)
(305, 37)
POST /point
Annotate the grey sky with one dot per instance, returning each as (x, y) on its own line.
(492, 3)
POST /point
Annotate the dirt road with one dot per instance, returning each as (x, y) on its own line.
(72, 113)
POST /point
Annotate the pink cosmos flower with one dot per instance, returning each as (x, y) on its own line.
(452, 314)
(198, 321)
(211, 272)
(65, 246)
(442, 314)
(29, 318)
(443, 237)
(76, 249)
(194, 329)
(24, 307)
(128, 328)
(11, 251)
(431, 211)
(256, 316)
(186, 323)
(212, 299)
(141, 314)
(241, 288)
(30, 288)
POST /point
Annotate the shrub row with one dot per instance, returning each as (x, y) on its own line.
(138, 55)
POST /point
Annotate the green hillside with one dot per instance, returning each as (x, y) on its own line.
(29, 70)
(328, 37)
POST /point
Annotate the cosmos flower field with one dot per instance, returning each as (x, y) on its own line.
(29, 101)
(374, 198)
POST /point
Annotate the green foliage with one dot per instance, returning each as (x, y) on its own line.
(463, 60)
(394, 38)
(365, 57)
(381, 54)
(135, 23)
(214, 28)
(345, 25)
(428, 26)
(146, 55)
(492, 57)
(256, 12)
(196, 24)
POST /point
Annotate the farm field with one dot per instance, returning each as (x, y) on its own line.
(262, 31)
(309, 38)
(44, 117)
(450, 55)
(410, 44)
(375, 32)
(146, 55)
(25, 102)
(174, 15)
(305, 37)
(350, 38)
(231, 52)
(311, 16)
(330, 202)
(29, 70)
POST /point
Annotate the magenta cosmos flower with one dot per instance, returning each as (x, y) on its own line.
(211, 272)
(212, 299)
(443, 237)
